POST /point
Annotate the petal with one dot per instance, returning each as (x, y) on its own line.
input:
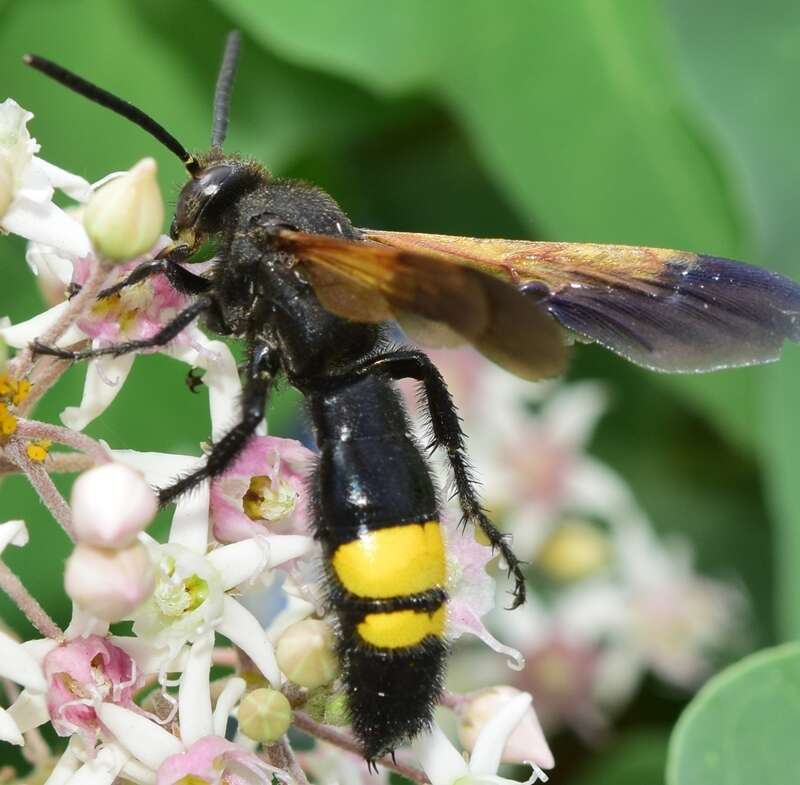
(103, 768)
(491, 741)
(29, 710)
(284, 547)
(104, 379)
(46, 223)
(194, 695)
(19, 666)
(158, 468)
(461, 618)
(39, 648)
(227, 699)
(190, 520)
(221, 378)
(240, 561)
(145, 740)
(67, 764)
(23, 333)
(244, 631)
(13, 533)
(8, 729)
(148, 658)
(138, 773)
(71, 184)
(439, 759)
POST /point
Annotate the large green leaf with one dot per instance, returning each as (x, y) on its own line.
(742, 60)
(573, 107)
(742, 726)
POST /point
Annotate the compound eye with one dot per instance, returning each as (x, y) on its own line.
(196, 196)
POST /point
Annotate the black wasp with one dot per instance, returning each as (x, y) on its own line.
(309, 295)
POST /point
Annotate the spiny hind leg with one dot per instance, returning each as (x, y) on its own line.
(447, 434)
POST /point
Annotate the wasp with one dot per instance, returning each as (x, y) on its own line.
(311, 296)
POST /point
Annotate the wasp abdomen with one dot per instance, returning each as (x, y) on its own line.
(377, 518)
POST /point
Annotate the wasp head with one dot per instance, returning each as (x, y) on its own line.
(211, 195)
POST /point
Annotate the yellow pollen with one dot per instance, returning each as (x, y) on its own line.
(37, 451)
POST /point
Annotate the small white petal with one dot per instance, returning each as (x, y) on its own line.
(194, 695)
(145, 740)
(104, 379)
(158, 468)
(491, 741)
(190, 522)
(67, 764)
(102, 769)
(8, 729)
(244, 631)
(39, 648)
(239, 561)
(439, 759)
(284, 547)
(138, 773)
(13, 533)
(71, 184)
(227, 699)
(23, 333)
(29, 710)
(19, 666)
(46, 223)
(295, 610)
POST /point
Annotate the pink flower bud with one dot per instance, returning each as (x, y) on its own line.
(111, 504)
(109, 584)
(527, 741)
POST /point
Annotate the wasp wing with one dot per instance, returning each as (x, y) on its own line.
(371, 282)
(665, 310)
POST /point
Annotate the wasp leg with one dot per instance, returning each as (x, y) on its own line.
(182, 280)
(260, 374)
(161, 338)
(447, 434)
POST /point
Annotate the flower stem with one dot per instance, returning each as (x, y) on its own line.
(303, 722)
(48, 493)
(28, 604)
(34, 429)
(282, 756)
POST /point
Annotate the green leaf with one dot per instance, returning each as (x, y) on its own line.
(572, 107)
(741, 61)
(638, 758)
(742, 726)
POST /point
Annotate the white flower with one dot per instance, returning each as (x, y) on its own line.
(26, 188)
(445, 765)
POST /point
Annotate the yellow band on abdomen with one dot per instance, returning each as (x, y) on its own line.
(396, 629)
(392, 562)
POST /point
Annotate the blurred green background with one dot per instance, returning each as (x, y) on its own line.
(667, 123)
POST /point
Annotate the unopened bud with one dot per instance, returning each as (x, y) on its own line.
(111, 504)
(264, 715)
(575, 550)
(527, 741)
(124, 217)
(109, 584)
(306, 654)
(6, 184)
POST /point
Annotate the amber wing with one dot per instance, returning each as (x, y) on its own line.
(372, 282)
(666, 310)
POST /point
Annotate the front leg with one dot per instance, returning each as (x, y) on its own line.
(262, 367)
(161, 338)
(447, 434)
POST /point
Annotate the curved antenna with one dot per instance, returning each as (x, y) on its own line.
(222, 93)
(100, 96)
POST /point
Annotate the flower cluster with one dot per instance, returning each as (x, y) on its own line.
(613, 600)
(186, 661)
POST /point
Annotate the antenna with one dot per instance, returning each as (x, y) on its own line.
(222, 93)
(100, 96)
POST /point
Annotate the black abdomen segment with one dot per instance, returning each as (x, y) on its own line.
(377, 519)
